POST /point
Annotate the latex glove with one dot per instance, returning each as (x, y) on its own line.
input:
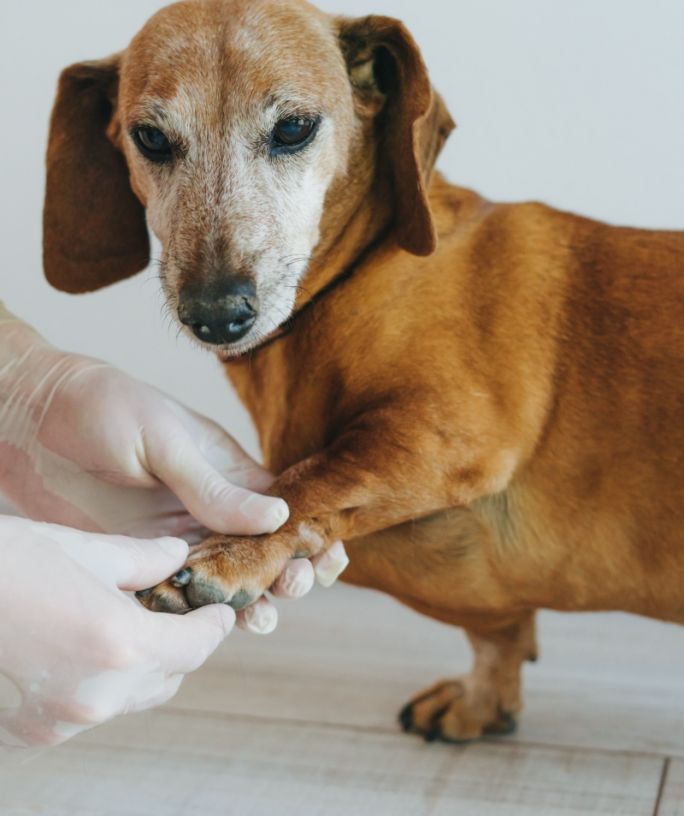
(78, 439)
(78, 649)
(84, 445)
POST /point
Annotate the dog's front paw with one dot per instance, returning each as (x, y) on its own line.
(457, 711)
(222, 569)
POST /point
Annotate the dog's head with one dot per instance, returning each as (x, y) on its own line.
(239, 127)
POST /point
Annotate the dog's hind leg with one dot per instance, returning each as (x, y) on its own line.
(486, 701)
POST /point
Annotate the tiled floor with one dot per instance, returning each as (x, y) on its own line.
(302, 723)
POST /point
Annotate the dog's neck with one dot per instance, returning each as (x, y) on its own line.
(345, 239)
(347, 235)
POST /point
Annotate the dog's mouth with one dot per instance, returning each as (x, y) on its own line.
(252, 343)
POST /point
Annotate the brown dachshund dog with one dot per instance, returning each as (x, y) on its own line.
(486, 402)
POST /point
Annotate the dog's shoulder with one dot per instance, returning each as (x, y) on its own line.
(461, 213)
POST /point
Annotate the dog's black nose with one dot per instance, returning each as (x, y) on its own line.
(220, 313)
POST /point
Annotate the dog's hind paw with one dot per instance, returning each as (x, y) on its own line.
(457, 711)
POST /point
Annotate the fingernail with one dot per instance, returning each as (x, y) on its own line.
(261, 618)
(174, 546)
(331, 564)
(279, 513)
(298, 579)
(272, 513)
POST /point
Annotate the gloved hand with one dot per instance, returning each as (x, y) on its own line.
(78, 649)
(86, 446)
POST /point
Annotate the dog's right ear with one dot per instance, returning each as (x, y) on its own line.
(94, 229)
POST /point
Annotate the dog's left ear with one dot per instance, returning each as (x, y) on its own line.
(391, 85)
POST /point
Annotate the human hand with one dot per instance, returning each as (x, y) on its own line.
(84, 445)
(78, 649)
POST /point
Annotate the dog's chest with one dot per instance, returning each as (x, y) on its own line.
(289, 405)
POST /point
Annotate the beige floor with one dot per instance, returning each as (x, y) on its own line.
(303, 724)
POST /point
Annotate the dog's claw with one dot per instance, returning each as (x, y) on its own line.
(406, 717)
(182, 578)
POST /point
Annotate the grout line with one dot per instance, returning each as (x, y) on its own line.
(661, 787)
(384, 730)
(626, 752)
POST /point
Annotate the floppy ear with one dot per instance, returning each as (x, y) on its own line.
(391, 84)
(94, 230)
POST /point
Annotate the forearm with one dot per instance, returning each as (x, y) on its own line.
(31, 371)
(29, 365)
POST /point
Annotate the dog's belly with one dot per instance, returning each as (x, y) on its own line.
(501, 556)
(591, 560)
(439, 565)
(457, 566)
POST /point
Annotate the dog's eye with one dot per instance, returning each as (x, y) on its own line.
(152, 143)
(292, 134)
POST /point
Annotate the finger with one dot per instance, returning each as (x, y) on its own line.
(329, 565)
(295, 580)
(253, 477)
(171, 687)
(11, 735)
(234, 464)
(129, 563)
(21, 728)
(182, 643)
(211, 499)
(151, 562)
(261, 618)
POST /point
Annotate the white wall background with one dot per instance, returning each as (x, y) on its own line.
(580, 104)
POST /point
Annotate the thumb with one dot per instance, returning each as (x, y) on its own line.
(182, 643)
(211, 499)
(129, 563)
(147, 563)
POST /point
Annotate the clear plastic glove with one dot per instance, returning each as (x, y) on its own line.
(78, 649)
(86, 446)
(79, 438)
